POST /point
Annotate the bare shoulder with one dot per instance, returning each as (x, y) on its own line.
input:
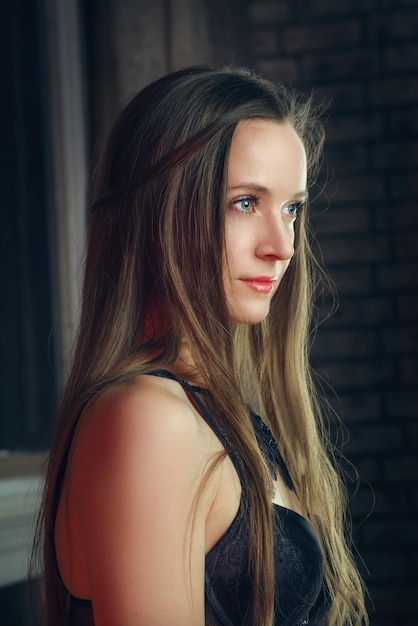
(140, 433)
(143, 417)
(137, 462)
(145, 397)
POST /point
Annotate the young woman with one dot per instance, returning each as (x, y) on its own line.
(169, 500)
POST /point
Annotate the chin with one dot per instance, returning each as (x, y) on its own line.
(249, 317)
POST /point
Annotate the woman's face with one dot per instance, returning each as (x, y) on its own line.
(266, 188)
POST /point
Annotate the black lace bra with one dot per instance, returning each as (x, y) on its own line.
(297, 550)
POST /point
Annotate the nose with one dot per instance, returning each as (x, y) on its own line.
(275, 239)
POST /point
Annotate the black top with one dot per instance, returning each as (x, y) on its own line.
(297, 550)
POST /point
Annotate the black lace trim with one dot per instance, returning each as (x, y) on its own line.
(269, 447)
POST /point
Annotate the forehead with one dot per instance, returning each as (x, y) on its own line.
(268, 153)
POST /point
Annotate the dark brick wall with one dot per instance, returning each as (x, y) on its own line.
(362, 57)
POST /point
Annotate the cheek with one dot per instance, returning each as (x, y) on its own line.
(239, 238)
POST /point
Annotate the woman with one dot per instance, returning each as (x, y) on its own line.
(169, 501)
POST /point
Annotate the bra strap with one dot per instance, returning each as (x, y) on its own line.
(194, 394)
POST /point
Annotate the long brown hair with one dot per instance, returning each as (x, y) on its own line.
(153, 280)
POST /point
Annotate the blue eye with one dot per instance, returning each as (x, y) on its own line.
(294, 208)
(245, 205)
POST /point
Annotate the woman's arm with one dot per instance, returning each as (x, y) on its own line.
(138, 462)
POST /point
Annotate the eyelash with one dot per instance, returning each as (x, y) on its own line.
(254, 200)
(298, 207)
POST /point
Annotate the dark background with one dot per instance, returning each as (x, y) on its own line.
(362, 59)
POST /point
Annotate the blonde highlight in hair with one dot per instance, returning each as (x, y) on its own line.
(153, 281)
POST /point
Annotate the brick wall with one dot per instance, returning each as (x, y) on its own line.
(362, 56)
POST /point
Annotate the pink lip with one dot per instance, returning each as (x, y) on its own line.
(262, 284)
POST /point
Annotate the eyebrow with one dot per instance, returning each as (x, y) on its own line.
(299, 195)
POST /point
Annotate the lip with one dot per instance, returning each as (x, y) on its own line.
(262, 284)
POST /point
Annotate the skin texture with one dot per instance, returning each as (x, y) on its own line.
(267, 182)
(138, 460)
(128, 534)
